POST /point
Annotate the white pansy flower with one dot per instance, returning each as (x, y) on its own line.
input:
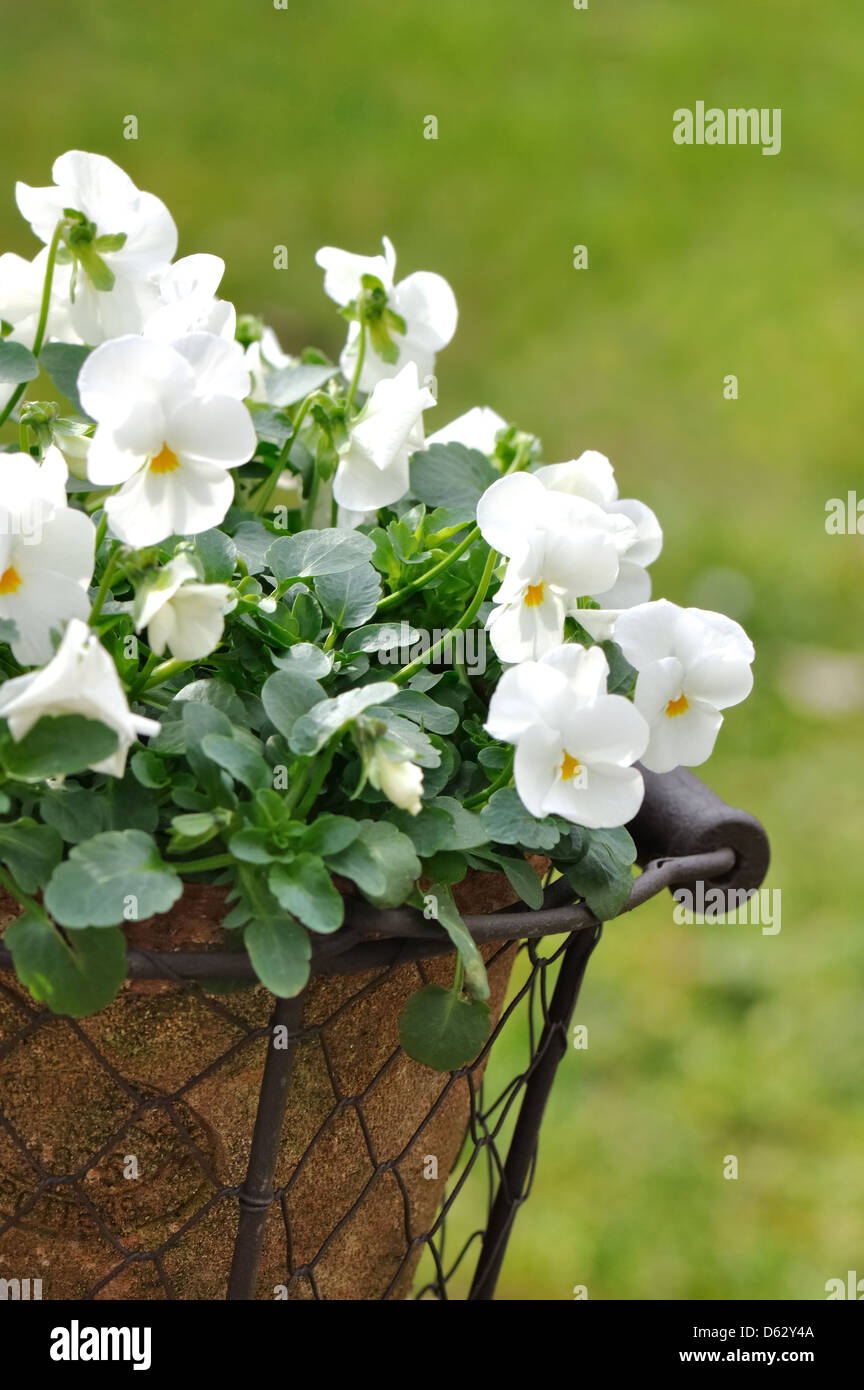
(170, 424)
(115, 284)
(188, 303)
(398, 778)
(21, 287)
(181, 613)
(592, 476)
(575, 744)
(476, 429)
(373, 467)
(560, 548)
(692, 664)
(263, 358)
(46, 553)
(423, 300)
(80, 679)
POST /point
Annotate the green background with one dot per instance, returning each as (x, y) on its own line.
(298, 127)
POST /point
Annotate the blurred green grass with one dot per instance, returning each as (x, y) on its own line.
(262, 127)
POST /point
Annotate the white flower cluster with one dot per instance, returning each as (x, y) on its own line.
(567, 538)
(169, 388)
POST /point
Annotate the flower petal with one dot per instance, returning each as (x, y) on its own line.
(508, 509)
(218, 430)
(428, 306)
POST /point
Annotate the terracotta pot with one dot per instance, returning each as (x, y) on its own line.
(150, 1104)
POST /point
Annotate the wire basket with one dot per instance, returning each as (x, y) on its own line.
(347, 1195)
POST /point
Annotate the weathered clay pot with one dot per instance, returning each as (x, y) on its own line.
(165, 1085)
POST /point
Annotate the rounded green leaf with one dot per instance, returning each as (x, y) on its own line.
(75, 977)
(310, 554)
(280, 951)
(118, 876)
(441, 1030)
(303, 886)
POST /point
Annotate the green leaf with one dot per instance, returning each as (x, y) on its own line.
(305, 889)
(621, 674)
(17, 364)
(215, 693)
(63, 362)
(520, 875)
(429, 831)
(110, 241)
(603, 873)
(274, 426)
(31, 852)
(380, 637)
(311, 554)
(56, 746)
(452, 476)
(196, 829)
(351, 597)
(507, 822)
(76, 977)
(306, 613)
(253, 541)
(8, 630)
(289, 385)
(286, 695)
(468, 829)
(218, 555)
(149, 770)
(422, 710)
(280, 951)
(115, 877)
(381, 861)
(417, 744)
(305, 659)
(252, 845)
(450, 918)
(130, 806)
(316, 728)
(330, 834)
(441, 1030)
(243, 763)
(74, 813)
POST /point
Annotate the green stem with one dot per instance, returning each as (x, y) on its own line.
(43, 318)
(358, 367)
(101, 531)
(105, 585)
(502, 780)
(268, 487)
(316, 781)
(458, 977)
(392, 599)
(140, 682)
(198, 866)
(23, 899)
(447, 533)
(465, 621)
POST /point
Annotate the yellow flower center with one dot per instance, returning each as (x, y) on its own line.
(679, 706)
(10, 581)
(533, 595)
(165, 461)
(571, 767)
